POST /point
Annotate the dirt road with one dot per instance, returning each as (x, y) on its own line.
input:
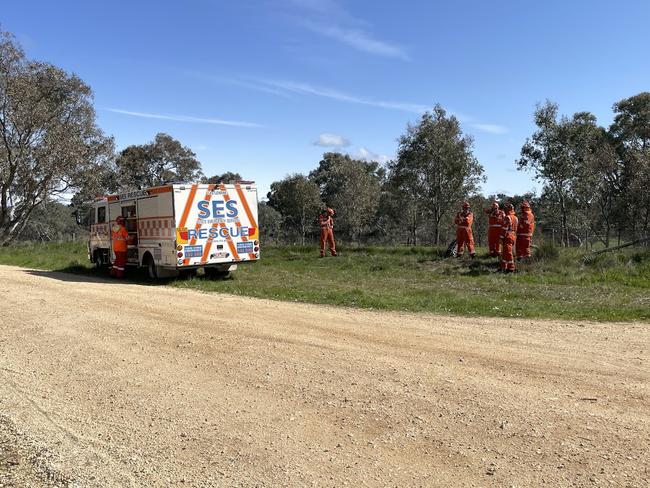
(106, 384)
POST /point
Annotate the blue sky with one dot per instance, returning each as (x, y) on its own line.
(265, 87)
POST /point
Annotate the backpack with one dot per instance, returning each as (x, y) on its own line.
(451, 249)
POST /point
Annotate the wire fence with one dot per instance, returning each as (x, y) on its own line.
(591, 241)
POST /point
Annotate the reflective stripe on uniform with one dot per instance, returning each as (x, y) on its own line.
(525, 235)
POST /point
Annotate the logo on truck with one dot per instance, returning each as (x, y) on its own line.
(216, 232)
(182, 236)
(217, 209)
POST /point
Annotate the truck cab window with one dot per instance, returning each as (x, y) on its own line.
(101, 215)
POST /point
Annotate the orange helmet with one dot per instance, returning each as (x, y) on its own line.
(330, 211)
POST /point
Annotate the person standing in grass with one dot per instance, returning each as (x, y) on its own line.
(326, 223)
(509, 237)
(464, 237)
(525, 229)
(495, 219)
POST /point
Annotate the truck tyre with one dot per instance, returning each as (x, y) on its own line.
(152, 269)
(99, 259)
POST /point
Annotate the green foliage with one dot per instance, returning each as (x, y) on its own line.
(270, 223)
(352, 187)
(435, 170)
(612, 287)
(631, 134)
(546, 251)
(226, 178)
(298, 200)
(52, 221)
(595, 180)
(162, 160)
(50, 142)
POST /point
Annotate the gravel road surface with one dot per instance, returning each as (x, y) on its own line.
(107, 384)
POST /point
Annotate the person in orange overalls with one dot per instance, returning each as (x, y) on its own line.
(119, 236)
(495, 223)
(525, 230)
(464, 237)
(509, 237)
(326, 223)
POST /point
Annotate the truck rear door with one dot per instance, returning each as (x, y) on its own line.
(216, 224)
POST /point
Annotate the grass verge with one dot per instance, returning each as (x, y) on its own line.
(610, 287)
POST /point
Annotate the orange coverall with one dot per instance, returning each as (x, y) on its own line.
(525, 231)
(464, 236)
(119, 236)
(509, 235)
(326, 223)
(495, 224)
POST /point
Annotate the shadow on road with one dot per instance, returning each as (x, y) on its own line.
(85, 275)
(80, 274)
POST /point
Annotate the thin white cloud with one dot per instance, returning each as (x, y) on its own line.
(491, 128)
(368, 155)
(237, 82)
(306, 89)
(325, 7)
(287, 88)
(327, 139)
(184, 118)
(359, 40)
(328, 18)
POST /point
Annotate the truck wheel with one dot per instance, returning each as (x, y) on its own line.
(99, 259)
(152, 269)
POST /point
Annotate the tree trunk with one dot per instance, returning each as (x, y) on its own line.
(565, 227)
(436, 237)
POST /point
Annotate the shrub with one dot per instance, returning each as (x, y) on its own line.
(546, 252)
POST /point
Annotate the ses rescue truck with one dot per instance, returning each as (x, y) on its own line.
(178, 228)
